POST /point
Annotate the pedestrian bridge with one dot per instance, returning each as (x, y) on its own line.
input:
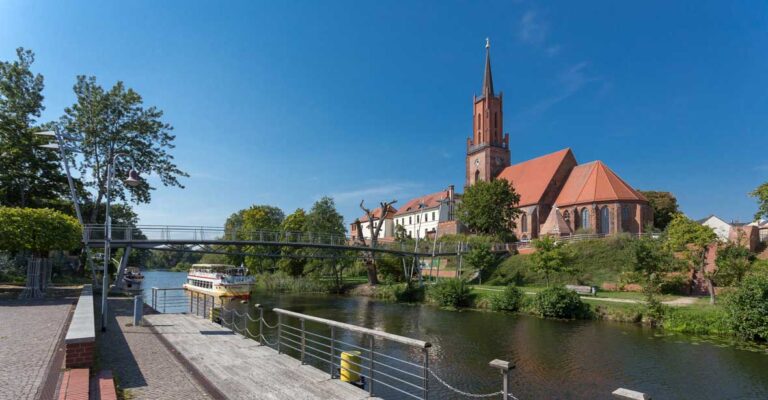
(163, 236)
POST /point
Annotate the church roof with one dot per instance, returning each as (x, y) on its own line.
(531, 178)
(487, 77)
(429, 201)
(593, 182)
(555, 224)
(377, 214)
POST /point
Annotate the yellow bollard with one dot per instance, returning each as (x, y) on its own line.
(350, 366)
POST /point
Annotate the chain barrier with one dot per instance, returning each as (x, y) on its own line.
(264, 338)
(467, 394)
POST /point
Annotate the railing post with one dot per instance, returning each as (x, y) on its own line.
(165, 296)
(370, 366)
(190, 302)
(205, 305)
(261, 324)
(333, 348)
(426, 373)
(279, 331)
(303, 341)
(503, 367)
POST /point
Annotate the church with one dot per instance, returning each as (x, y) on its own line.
(558, 196)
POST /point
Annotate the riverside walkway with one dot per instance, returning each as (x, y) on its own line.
(242, 369)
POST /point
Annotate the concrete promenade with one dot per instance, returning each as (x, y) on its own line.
(31, 337)
(241, 369)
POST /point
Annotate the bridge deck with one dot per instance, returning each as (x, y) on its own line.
(240, 368)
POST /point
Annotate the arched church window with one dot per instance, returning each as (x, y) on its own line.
(605, 220)
(477, 176)
(585, 218)
(524, 222)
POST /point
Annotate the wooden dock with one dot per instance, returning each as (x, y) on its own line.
(240, 368)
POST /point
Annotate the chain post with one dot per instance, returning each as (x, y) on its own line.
(279, 331)
(426, 373)
(261, 324)
(370, 366)
(303, 341)
(503, 367)
(333, 348)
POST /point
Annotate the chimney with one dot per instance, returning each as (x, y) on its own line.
(450, 192)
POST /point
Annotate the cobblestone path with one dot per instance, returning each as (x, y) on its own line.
(142, 365)
(29, 334)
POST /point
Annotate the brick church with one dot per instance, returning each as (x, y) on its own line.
(558, 196)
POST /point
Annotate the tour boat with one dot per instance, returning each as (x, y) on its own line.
(132, 278)
(219, 280)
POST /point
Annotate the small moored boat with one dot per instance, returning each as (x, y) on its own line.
(132, 278)
(219, 280)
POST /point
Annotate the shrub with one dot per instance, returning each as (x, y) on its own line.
(400, 292)
(675, 284)
(451, 293)
(508, 300)
(695, 320)
(559, 302)
(281, 282)
(747, 308)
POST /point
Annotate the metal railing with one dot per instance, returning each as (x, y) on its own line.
(179, 300)
(388, 364)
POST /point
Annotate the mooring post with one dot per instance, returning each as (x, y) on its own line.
(303, 341)
(138, 308)
(426, 373)
(503, 367)
(333, 348)
(261, 324)
(279, 331)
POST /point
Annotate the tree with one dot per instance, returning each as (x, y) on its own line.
(253, 220)
(692, 239)
(375, 229)
(324, 219)
(29, 175)
(116, 122)
(292, 263)
(38, 231)
(664, 205)
(761, 194)
(650, 260)
(550, 256)
(489, 207)
(747, 308)
(481, 259)
(733, 262)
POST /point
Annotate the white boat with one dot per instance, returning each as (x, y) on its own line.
(219, 280)
(132, 278)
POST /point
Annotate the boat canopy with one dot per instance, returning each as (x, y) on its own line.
(218, 268)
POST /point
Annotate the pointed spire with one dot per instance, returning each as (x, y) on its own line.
(487, 77)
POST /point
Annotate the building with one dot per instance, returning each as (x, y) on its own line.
(557, 195)
(747, 235)
(722, 229)
(428, 214)
(762, 228)
(387, 231)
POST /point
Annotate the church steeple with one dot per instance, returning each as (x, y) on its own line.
(487, 77)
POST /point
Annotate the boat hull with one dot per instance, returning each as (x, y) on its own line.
(242, 291)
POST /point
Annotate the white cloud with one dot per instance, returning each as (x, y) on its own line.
(532, 29)
(569, 82)
(384, 190)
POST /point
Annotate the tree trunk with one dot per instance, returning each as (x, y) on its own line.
(373, 278)
(711, 287)
(95, 211)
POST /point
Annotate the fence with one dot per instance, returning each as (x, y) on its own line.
(179, 300)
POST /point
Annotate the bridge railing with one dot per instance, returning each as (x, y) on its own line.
(182, 301)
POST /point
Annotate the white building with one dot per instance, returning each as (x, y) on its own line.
(387, 231)
(722, 229)
(424, 214)
(762, 226)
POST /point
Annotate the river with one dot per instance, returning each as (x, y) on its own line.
(553, 359)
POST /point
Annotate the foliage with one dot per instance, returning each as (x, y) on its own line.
(516, 269)
(390, 268)
(692, 239)
(509, 300)
(451, 293)
(697, 320)
(279, 282)
(558, 302)
(664, 205)
(650, 260)
(324, 219)
(761, 195)
(733, 262)
(292, 263)
(481, 258)
(29, 175)
(113, 122)
(489, 207)
(400, 292)
(747, 308)
(242, 225)
(550, 257)
(674, 284)
(37, 230)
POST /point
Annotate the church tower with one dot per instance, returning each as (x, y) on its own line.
(488, 148)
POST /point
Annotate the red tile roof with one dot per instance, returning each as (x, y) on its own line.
(593, 182)
(531, 178)
(429, 201)
(377, 214)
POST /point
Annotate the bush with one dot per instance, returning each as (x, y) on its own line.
(281, 282)
(400, 292)
(747, 308)
(695, 320)
(451, 293)
(559, 302)
(509, 300)
(675, 284)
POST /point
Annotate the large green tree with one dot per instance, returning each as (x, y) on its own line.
(324, 219)
(29, 175)
(37, 230)
(113, 122)
(692, 239)
(551, 257)
(489, 207)
(294, 226)
(650, 260)
(664, 205)
(246, 224)
(761, 194)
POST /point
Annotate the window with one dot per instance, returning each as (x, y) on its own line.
(409, 222)
(625, 212)
(605, 220)
(477, 176)
(524, 222)
(433, 215)
(417, 219)
(585, 218)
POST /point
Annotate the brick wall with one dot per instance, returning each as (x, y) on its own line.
(80, 355)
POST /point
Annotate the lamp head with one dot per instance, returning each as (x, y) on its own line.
(133, 179)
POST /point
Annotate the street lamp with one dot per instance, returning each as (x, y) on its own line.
(132, 180)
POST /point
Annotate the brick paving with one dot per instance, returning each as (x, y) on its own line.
(30, 332)
(142, 365)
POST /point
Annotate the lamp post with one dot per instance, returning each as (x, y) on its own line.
(133, 180)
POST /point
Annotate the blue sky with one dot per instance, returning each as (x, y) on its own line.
(283, 102)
